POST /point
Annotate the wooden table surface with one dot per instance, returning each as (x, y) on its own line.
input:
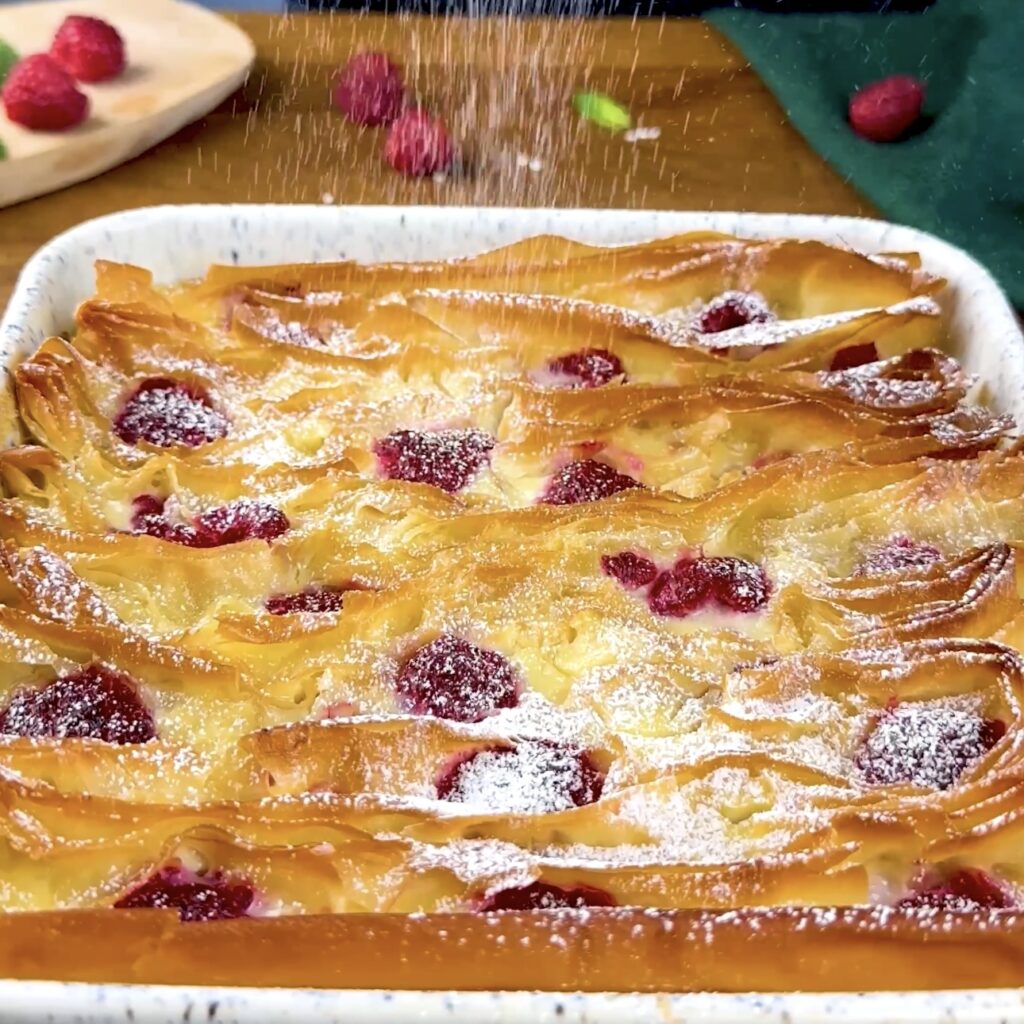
(506, 90)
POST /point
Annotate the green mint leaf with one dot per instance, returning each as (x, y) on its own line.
(602, 110)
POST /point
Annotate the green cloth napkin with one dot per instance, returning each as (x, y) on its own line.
(961, 176)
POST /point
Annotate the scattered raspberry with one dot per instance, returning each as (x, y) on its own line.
(736, 584)
(585, 480)
(681, 590)
(544, 896)
(588, 368)
(167, 413)
(448, 459)
(964, 890)
(733, 309)
(418, 144)
(369, 89)
(90, 49)
(212, 898)
(93, 701)
(533, 777)
(884, 110)
(244, 519)
(149, 518)
(925, 743)
(312, 599)
(854, 355)
(452, 678)
(898, 554)
(39, 94)
(631, 570)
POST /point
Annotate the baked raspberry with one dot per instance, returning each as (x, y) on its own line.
(681, 590)
(964, 890)
(93, 701)
(245, 519)
(167, 413)
(736, 584)
(544, 896)
(448, 459)
(369, 89)
(588, 368)
(418, 144)
(211, 898)
(733, 309)
(854, 355)
(631, 570)
(312, 599)
(585, 480)
(90, 49)
(149, 518)
(532, 777)
(39, 94)
(885, 110)
(898, 554)
(452, 678)
(927, 744)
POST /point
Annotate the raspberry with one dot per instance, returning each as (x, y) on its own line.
(585, 480)
(212, 898)
(854, 355)
(733, 309)
(681, 590)
(884, 110)
(452, 678)
(244, 519)
(533, 777)
(544, 896)
(898, 554)
(90, 49)
(448, 459)
(736, 584)
(927, 744)
(369, 89)
(39, 94)
(418, 144)
(964, 890)
(148, 518)
(312, 599)
(167, 413)
(93, 702)
(631, 570)
(588, 368)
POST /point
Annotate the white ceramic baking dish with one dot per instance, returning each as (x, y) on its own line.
(181, 241)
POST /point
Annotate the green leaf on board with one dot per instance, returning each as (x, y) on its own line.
(602, 110)
(7, 61)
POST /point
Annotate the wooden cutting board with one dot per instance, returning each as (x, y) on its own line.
(182, 61)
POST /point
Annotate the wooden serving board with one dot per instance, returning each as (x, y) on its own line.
(182, 61)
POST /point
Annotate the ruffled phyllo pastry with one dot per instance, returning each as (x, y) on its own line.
(563, 617)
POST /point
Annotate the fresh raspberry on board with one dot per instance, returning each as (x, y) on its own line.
(418, 144)
(885, 110)
(39, 94)
(369, 89)
(90, 49)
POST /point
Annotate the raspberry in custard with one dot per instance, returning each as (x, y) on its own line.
(448, 459)
(968, 889)
(452, 678)
(245, 519)
(925, 743)
(168, 413)
(93, 702)
(587, 368)
(545, 896)
(735, 584)
(150, 518)
(585, 480)
(532, 777)
(209, 898)
(731, 310)
(898, 554)
(633, 571)
(318, 600)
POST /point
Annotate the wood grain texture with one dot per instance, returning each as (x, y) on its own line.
(506, 88)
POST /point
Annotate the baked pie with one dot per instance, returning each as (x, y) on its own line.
(562, 617)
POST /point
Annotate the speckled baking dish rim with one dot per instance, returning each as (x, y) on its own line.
(181, 241)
